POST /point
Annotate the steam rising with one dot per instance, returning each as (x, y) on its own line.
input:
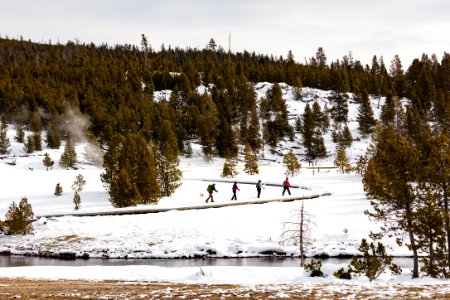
(77, 126)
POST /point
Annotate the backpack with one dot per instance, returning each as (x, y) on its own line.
(209, 189)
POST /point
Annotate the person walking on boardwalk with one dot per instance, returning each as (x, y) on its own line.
(211, 188)
(286, 186)
(258, 187)
(234, 189)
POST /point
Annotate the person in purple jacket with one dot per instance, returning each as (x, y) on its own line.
(234, 189)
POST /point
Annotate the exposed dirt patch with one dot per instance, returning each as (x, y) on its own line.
(63, 289)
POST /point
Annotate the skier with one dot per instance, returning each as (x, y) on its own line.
(286, 186)
(211, 188)
(234, 189)
(258, 187)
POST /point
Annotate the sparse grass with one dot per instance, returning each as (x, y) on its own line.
(71, 289)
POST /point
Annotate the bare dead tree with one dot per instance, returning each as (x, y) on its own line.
(298, 231)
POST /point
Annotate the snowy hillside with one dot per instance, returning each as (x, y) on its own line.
(236, 231)
(201, 231)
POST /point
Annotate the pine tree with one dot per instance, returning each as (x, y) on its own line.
(37, 141)
(388, 181)
(4, 141)
(430, 231)
(58, 190)
(374, 261)
(308, 131)
(53, 138)
(251, 162)
(69, 156)
(291, 163)
(318, 148)
(20, 134)
(169, 176)
(48, 162)
(229, 169)
(20, 217)
(129, 162)
(79, 183)
(365, 117)
(436, 175)
(76, 201)
(123, 192)
(341, 161)
(29, 144)
(297, 89)
(339, 110)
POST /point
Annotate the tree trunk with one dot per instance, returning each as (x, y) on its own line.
(447, 222)
(412, 241)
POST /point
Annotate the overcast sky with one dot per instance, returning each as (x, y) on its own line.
(364, 27)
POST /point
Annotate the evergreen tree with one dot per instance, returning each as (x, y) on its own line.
(169, 176)
(251, 162)
(291, 163)
(69, 157)
(58, 190)
(20, 134)
(37, 141)
(365, 118)
(374, 261)
(436, 175)
(129, 162)
(339, 110)
(318, 148)
(308, 131)
(19, 218)
(29, 144)
(297, 89)
(123, 192)
(4, 140)
(48, 162)
(341, 161)
(229, 169)
(53, 137)
(79, 183)
(388, 110)
(430, 231)
(76, 201)
(389, 181)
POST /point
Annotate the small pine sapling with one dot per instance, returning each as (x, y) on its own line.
(77, 187)
(314, 267)
(48, 162)
(58, 190)
(76, 201)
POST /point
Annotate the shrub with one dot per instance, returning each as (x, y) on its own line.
(374, 261)
(342, 274)
(314, 267)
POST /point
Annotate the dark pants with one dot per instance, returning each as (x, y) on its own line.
(286, 189)
(234, 196)
(259, 191)
(210, 197)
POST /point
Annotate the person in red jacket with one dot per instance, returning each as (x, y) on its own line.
(286, 186)
(234, 189)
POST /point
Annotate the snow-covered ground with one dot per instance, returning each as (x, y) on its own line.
(235, 231)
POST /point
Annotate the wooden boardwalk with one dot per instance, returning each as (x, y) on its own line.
(149, 210)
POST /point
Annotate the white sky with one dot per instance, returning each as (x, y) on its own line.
(366, 28)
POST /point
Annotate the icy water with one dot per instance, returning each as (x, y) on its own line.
(20, 261)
